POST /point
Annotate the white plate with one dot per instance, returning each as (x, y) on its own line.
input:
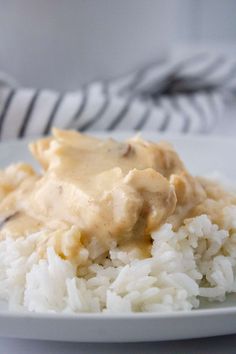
(201, 155)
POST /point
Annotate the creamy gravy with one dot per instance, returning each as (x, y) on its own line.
(99, 193)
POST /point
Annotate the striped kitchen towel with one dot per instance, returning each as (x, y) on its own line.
(175, 95)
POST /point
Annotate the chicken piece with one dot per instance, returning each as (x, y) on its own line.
(114, 193)
(110, 190)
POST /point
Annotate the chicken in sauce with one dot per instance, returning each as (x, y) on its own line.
(93, 194)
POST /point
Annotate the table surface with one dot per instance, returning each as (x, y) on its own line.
(213, 345)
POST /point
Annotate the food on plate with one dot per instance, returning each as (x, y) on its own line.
(110, 226)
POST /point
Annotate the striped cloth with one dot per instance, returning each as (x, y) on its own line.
(185, 95)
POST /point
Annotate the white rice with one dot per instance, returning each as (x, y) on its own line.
(197, 261)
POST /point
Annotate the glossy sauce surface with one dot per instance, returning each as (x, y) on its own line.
(100, 193)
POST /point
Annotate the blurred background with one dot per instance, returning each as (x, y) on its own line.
(160, 65)
(60, 44)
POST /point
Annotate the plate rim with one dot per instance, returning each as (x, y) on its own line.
(171, 135)
(131, 315)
